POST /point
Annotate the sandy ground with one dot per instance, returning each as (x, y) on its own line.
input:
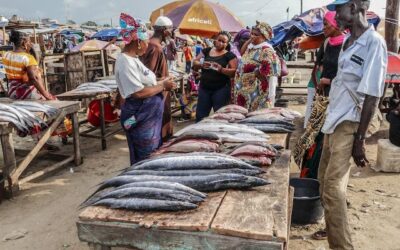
(43, 214)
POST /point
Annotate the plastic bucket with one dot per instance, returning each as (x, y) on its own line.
(93, 114)
(284, 103)
(307, 207)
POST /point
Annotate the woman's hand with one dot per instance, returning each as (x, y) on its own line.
(206, 65)
(50, 97)
(216, 66)
(168, 84)
(325, 81)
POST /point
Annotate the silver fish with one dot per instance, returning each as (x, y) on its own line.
(146, 193)
(192, 161)
(201, 183)
(233, 109)
(217, 127)
(196, 172)
(145, 204)
(177, 187)
(272, 128)
(37, 107)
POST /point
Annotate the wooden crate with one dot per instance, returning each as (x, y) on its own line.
(84, 67)
(54, 76)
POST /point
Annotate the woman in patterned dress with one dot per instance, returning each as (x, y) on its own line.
(259, 67)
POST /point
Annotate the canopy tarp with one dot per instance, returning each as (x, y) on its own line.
(310, 23)
(107, 34)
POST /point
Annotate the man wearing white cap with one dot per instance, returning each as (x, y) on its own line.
(156, 61)
(353, 98)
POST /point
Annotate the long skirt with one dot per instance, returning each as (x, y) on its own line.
(21, 91)
(142, 120)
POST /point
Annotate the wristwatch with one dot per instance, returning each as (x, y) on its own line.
(359, 137)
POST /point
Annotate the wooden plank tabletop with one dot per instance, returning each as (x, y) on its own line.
(259, 214)
(72, 95)
(54, 103)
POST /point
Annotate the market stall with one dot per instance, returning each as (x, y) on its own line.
(102, 96)
(13, 170)
(252, 219)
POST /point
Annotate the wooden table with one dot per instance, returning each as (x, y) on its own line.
(252, 219)
(101, 96)
(12, 171)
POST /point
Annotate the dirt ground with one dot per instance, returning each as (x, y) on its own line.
(43, 214)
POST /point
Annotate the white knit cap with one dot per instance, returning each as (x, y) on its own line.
(163, 21)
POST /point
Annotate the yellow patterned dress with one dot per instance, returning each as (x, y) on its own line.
(249, 91)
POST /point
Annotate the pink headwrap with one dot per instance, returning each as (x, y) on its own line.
(132, 29)
(330, 18)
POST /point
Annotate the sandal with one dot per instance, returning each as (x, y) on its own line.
(320, 235)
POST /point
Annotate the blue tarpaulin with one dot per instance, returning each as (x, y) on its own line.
(310, 23)
(107, 34)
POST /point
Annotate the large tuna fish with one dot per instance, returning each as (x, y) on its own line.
(146, 193)
(191, 161)
(201, 183)
(217, 128)
(145, 204)
(233, 109)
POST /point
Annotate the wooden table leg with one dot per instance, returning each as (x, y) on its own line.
(77, 147)
(10, 163)
(32, 154)
(102, 125)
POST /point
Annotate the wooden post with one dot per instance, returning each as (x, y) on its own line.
(301, 7)
(77, 146)
(10, 164)
(391, 25)
(34, 34)
(102, 125)
(4, 35)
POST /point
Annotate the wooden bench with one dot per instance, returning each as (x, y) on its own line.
(12, 170)
(252, 219)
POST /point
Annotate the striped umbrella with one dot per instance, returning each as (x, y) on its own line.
(199, 17)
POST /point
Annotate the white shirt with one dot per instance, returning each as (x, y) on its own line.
(132, 76)
(361, 70)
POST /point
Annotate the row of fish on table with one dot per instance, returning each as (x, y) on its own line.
(27, 116)
(106, 85)
(268, 120)
(215, 154)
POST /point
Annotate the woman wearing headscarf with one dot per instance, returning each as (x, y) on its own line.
(327, 61)
(23, 74)
(218, 65)
(240, 39)
(256, 77)
(142, 110)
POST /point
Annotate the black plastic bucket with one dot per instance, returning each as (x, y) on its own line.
(307, 208)
(394, 129)
(279, 92)
(284, 103)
